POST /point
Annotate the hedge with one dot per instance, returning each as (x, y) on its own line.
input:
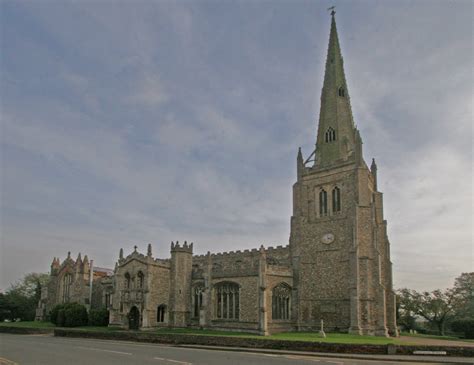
(465, 326)
(99, 317)
(69, 315)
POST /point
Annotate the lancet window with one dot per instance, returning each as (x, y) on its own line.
(227, 301)
(197, 300)
(323, 202)
(342, 92)
(127, 280)
(140, 280)
(336, 199)
(281, 301)
(160, 313)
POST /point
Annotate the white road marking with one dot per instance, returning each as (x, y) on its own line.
(173, 361)
(95, 349)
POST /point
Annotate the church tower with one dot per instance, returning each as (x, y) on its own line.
(339, 245)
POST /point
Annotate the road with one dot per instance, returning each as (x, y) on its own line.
(49, 350)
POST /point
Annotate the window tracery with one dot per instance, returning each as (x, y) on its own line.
(330, 135)
(281, 301)
(227, 301)
(197, 300)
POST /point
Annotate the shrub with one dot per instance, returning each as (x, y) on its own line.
(75, 315)
(98, 317)
(54, 313)
(69, 315)
(465, 326)
(60, 318)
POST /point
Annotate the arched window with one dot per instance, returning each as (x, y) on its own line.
(160, 313)
(342, 92)
(227, 301)
(127, 281)
(197, 300)
(140, 280)
(67, 280)
(330, 135)
(281, 301)
(336, 199)
(323, 202)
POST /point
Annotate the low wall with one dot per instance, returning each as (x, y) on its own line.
(262, 343)
(25, 330)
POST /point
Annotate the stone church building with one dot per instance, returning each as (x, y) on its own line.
(336, 267)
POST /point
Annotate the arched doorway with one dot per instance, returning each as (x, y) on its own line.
(134, 318)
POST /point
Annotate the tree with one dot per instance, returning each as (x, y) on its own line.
(406, 316)
(436, 306)
(464, 296)
(20, 300)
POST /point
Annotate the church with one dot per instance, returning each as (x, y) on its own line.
(336, 267)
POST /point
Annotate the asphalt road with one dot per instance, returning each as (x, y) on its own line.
(49, 350)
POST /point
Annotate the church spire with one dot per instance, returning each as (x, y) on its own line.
(336, 132)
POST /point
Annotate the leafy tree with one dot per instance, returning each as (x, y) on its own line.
(464, 296)
(436, 306)
(21, 299)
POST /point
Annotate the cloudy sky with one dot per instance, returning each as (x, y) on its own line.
(140, 122)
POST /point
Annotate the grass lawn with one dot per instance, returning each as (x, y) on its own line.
(28, 324)
(334, 338)
(435, 337)
(37, 324)
(287, 336)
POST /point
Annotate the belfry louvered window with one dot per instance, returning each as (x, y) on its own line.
(197, 300)
(227, 301)
(342, 92)
(336, 199)
(281, 301)
(323, 202)
(330, 135)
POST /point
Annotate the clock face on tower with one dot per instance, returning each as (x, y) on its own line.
(327, 238)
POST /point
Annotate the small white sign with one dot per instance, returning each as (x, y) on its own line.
(429, 352)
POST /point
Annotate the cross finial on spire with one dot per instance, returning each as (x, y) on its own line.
(332, 10)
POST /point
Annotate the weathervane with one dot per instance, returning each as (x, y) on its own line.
(332, 10)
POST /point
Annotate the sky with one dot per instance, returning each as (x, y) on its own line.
(132, 122)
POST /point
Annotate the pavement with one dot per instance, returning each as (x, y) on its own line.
(50, 350)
